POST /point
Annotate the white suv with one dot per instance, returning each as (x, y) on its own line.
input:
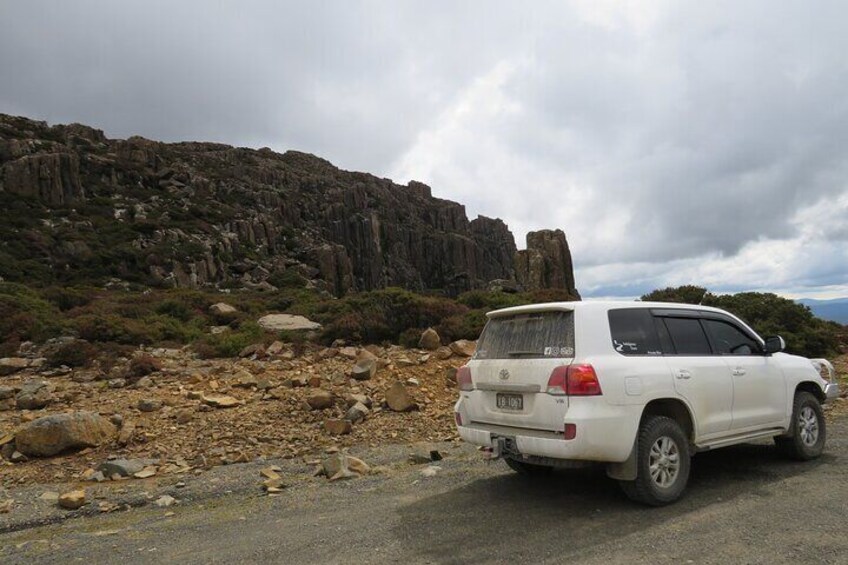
(640, 386)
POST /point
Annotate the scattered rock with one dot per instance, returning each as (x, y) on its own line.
(342, 466)
(337, 427)
(349, 352)
(223, 311)
(6, 505)
(352, 399)
(7, 392)
(53, 434)
(184, 416)
(399, 399)
(124, 467)
(287, 322)
(144, 382)
(149, 405)
(364, 369)
(275, 348)
(117, 383)
(256, 349)
(450, 376)
(220, 400)
(463, 347)
(11, 365)
(49, 496)
(430, 471)
(356, 413)
(245, 379)
(72, 500)
(165, 501)
(320, 399)
(126, 434)
(443, 353)
(34, 395)
(430, 340)
(423, 455)
(146, 473)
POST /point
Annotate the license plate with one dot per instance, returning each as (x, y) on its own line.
(509, 401)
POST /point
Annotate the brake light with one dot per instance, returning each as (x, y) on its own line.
(557, 381)
(574, 380)
(463, 378)
(457, 418)
(582, 381)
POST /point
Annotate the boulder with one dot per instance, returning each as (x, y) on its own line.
(34, 395)
(463, 347)
(356, 413)
(430, 340)
(7, 392)
(124, 467)
(10, 365)
(364, 369)
(223, 311)
(287, 322)
(337, 427)
(342, 466)
(443, 353)
(399, 399)
(149, 405)
(72, 500)
(320, 399)
(546, 263)
(220, 400)
(53, 434)
(353, 399)
(245, 379)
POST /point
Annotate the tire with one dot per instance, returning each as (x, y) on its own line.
(663, 445)
(807, 430)
(528, 469)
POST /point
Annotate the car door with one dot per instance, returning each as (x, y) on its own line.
(701, 378)
(759, 392)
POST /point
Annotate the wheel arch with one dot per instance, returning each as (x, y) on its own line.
(675, 409)
(812, 388)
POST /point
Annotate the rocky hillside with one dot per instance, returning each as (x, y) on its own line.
(78, 208)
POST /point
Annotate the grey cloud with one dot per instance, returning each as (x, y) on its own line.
(666, 133)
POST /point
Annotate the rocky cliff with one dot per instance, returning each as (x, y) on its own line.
(76, 207)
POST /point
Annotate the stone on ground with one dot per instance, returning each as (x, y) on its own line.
(11, 365)
(463, 347)
(72, 500)
(53, 434)
(430, 340)
(364, 369)
(34, 395)
(220, 400)
(337, 427)
(287, 322)
(399, 399)
(320, 399)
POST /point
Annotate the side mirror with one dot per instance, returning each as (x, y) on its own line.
(775, 344)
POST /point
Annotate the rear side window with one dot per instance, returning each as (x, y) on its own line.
(633, 332)
(536, 335)
(730, 340)
(688, 336)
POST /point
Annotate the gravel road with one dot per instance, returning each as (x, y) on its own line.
(744, 505)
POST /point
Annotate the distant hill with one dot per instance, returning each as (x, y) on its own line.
(835, 309)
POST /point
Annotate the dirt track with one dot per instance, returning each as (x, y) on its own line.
(744, 505)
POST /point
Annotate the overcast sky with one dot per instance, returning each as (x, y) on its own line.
(673, 142)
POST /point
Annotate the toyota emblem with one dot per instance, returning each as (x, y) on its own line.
(504, 374)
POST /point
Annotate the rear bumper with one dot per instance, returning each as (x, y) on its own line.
(602, 435)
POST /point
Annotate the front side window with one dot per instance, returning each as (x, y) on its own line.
(730, 340)
(688, 336)
(633, 332)
(532, 335)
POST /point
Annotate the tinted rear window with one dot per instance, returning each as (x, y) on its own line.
(633, 332)
(528, 336)
(688, 336)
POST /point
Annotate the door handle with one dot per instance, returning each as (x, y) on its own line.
(738, 372)
(684, 374)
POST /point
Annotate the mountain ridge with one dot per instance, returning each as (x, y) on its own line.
(80, 208)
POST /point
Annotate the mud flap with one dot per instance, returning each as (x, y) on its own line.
(626, 470)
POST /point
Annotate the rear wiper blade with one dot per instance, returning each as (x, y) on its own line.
(522, 352)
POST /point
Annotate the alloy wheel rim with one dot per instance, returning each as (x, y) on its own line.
(664, 462)
(808, 426)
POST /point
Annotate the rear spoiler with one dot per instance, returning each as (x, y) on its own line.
(532, 309)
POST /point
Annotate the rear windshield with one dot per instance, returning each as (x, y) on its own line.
(528, 336)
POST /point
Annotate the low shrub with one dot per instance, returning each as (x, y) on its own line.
(75, 353)
(229, 343)
(142, 365)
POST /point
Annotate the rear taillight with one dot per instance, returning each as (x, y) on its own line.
(457, 418)
(574, 380)
(463, 378)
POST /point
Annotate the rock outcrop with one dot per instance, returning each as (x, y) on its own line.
(546, 263)
(194, 214)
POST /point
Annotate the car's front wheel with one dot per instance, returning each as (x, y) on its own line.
(807, 431)
(662, 463)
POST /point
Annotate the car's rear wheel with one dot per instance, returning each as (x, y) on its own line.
(662, 462)
(807, 431)
(528, 469)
